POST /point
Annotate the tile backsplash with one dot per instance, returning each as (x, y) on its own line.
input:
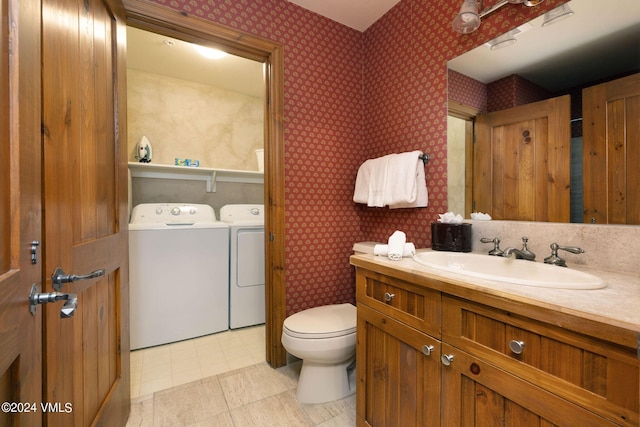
(607, 247)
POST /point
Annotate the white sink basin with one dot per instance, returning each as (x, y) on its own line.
(510, 270)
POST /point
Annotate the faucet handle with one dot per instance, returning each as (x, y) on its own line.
(496, 251)
(555, 259)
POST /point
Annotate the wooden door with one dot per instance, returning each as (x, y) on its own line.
(397, 383)
(20, 332)
(522, 162)
(611, 152)
(86, 212)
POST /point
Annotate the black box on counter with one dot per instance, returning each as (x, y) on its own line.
(451, 237)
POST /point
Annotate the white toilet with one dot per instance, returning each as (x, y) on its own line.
(325, 339)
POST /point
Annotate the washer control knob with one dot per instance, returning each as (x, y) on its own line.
(158, 211)
(255, 211)
(175, 211)
(192, 211)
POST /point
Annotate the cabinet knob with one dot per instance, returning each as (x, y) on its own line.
(388, 297)
(446, 359)
(517, 347)
(427, 349)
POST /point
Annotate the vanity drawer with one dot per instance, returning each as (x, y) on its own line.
(408, 303)
(592, 373)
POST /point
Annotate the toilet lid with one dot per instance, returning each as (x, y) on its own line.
(326, 321)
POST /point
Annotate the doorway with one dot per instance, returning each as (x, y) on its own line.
(159, 20)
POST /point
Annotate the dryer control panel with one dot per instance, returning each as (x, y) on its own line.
(244, 213)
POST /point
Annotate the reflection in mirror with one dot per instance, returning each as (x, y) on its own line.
(193, 106)
(562, 58)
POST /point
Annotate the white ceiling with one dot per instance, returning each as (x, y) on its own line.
(149, 52)
(593, 22)
(357, 14)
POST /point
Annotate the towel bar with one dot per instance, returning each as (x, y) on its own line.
(424, 157)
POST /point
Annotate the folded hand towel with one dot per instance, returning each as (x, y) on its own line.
(383, 250)
(414, 178)
(361, 192)
(396, 245)
(401, 182)
(371, 182)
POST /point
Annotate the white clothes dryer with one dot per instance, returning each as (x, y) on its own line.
(246, 257)
(178, 273)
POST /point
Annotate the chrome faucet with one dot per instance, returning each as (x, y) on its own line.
(523, 253)
(555, 259)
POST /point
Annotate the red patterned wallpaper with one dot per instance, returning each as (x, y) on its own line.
(466, 90)
(350, 96)
(513, 91)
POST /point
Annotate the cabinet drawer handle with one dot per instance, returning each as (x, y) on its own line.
(517, 347)
(388, 297)
(427, 349)
(446, 359)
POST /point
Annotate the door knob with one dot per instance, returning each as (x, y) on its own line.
(36, 298)
(59, 277)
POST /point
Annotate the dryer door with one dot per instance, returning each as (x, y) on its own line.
(250, 257)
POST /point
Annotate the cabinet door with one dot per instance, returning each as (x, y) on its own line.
(398, 372)
(475, 393)
(592, 373)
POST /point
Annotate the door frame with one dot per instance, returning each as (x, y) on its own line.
(468, 114)
(176, 24)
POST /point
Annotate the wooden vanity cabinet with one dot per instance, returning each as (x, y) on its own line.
(505, 368)
(397, 362)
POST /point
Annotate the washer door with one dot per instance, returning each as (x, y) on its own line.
(250, 258)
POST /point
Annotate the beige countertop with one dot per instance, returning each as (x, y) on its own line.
(618, 304)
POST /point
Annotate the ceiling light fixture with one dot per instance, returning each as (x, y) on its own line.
(208, 52)
(468, 19)
(557, 14)
(502, 41)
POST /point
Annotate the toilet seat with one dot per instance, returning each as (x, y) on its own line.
(328, 321)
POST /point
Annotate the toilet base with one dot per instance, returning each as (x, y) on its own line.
(320, 383)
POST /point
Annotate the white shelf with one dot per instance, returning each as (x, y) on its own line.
(210, 176)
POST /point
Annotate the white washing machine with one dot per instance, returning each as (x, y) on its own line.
(246, 257)
(178, 273)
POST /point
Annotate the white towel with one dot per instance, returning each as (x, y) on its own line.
(422, 197)
(401, 181)
(383, 250)
(394, 180)
(396, 245)
(371, 182)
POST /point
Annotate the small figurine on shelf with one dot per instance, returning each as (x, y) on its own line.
(144, 151)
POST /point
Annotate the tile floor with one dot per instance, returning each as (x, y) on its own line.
(223, 380)
(159, 368)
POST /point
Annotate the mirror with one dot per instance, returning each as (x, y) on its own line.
(564, 57)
